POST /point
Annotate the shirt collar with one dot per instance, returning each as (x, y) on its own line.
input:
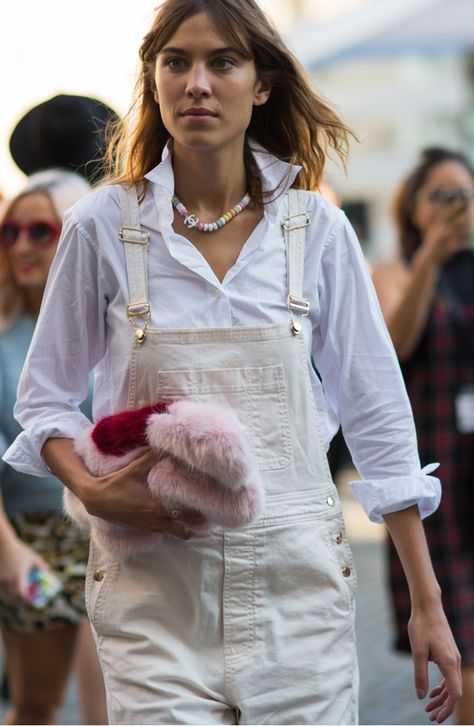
(276, 175)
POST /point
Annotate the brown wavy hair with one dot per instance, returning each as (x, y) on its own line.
(404, 202)
(295, 124)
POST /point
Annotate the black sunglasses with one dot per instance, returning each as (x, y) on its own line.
(450, 195)
(41, 233)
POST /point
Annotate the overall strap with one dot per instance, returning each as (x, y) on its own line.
(294, 227)
(135, 243)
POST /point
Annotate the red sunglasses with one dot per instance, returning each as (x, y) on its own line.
(41, 233)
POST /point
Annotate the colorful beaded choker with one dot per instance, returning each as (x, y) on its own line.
(192, 221)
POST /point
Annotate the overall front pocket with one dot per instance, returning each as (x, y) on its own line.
(256, 395)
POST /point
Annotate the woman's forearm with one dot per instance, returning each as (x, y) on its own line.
(66, 464)
(430, 636)
(407, 533)
(408, 320)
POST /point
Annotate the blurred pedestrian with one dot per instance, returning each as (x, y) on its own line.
(42, 644)
(427, 297)
(230, 277)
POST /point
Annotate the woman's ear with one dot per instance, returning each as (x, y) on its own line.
(156, 97)
(262, 92)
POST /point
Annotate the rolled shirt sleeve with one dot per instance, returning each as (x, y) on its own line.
(67, 343)
(364, 386)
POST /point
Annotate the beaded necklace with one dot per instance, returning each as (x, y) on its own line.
(192, 221)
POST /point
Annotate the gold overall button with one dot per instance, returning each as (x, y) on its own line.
(330, 501)
(98, 576)
(339, 538)
(346, 571)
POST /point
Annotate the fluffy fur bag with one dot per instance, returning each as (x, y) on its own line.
(205, 465)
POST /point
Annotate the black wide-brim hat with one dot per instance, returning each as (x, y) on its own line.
(67, 132)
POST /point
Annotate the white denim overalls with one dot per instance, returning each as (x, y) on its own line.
(251, 626)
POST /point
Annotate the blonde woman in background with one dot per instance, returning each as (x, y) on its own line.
(42, 646)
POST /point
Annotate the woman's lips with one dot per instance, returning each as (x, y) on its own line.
(198, 115)
(25, 267)
(198, 111)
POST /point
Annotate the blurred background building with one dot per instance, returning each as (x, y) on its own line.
(400, 72)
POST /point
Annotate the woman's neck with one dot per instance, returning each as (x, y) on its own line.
(210, 183)
(33, 299)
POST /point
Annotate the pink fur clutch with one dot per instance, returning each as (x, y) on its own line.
(205, 465)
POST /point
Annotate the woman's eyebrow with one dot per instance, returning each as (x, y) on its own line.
(215, 51)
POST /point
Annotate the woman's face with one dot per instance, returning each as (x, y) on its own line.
(448, 190)
(30, 260)
(205, 88)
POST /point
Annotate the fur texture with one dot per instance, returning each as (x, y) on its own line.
(204, 465)
(205, 438)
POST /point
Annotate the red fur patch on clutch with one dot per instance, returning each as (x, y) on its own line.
(119, 433)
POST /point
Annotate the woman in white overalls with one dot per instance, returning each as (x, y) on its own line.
(239, 282)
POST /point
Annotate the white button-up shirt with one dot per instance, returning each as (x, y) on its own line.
(83, 325)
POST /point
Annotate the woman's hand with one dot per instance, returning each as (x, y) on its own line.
(428, 629)
(122, 497)
(448, 232)
(431, 639)
(16, 561)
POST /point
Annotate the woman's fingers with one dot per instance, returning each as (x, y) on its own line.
(436, 702)
(444, 712)
(441, 705)
(437, 690)
(450, 690)
(420, 665)
(123, 497)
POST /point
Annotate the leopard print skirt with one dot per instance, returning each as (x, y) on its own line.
(65, 548)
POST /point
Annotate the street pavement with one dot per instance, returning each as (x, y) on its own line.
(387, 694)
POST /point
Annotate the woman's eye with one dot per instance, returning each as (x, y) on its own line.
(175, 63)
(223, 63)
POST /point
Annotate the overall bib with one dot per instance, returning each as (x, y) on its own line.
(251, 626)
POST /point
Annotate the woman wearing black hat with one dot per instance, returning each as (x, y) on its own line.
(207, 273)
(63, 132)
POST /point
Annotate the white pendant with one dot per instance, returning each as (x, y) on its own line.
(191, 221)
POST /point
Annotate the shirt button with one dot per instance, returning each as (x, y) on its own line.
(330, 501)
(346, 571)
(339, 538)
(217, 294)
(98, 576)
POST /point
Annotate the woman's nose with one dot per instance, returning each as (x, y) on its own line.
(198, 82)
(23, 241)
